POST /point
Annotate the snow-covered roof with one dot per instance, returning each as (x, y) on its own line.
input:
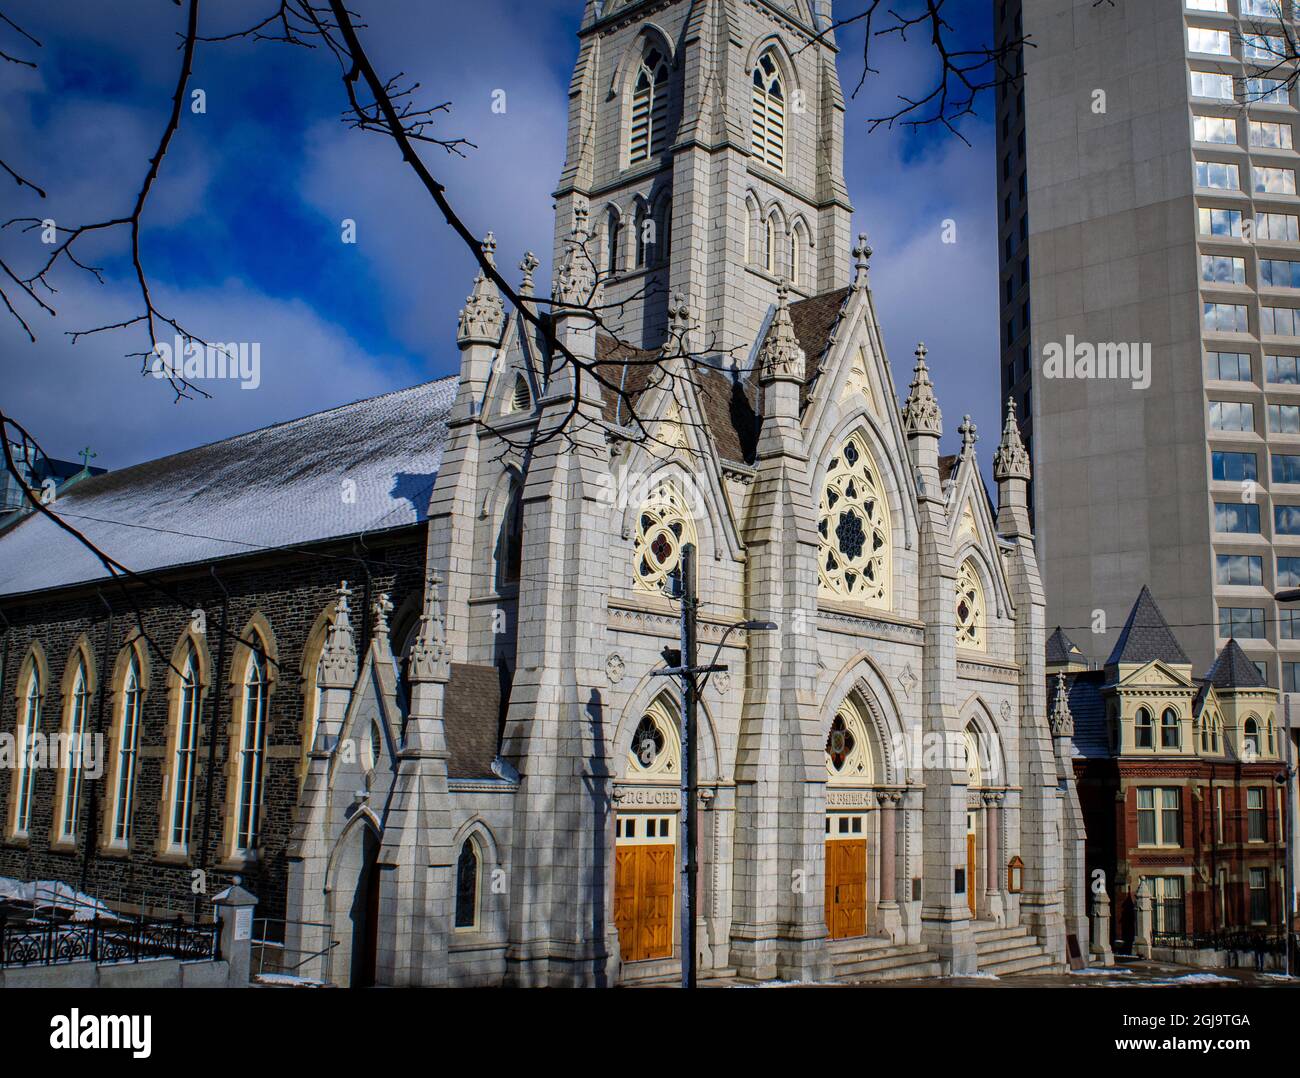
(363, 467)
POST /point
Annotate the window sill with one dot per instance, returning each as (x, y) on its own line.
(19, 842)
(173, 856)
(238, 862)
(115, 850)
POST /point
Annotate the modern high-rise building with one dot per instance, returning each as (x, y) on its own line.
(1147, 187)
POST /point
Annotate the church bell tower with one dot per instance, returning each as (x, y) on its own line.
(706, 141)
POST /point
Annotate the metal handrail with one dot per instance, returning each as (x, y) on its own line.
(261, 942)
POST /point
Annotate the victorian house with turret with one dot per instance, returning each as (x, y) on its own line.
(1180, 782)
(412, 701)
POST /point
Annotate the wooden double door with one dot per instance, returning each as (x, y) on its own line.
(846, 877)
(645, 872)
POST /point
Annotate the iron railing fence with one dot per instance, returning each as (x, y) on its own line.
(44, 942)
(1238, 940)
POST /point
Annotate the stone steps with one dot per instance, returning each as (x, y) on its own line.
(1007, 951)
(880, 960)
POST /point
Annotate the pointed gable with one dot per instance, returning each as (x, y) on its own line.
(1147, 636)
(1234, 670)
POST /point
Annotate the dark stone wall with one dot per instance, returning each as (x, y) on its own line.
(290, 590)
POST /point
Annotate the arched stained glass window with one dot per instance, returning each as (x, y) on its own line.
(128, 741)
(970, 607)
(187, 727)
(467, 873)
(32, 700)
(848, 750)
(853, 525)
(655, 750)
(252, 748)
(663, 527)
(77, 730)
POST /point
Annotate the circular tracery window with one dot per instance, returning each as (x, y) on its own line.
(663, 528)
(848, 752)
(853, 525)
(654, 749)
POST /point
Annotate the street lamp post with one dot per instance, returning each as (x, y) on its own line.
(684, 665)
(1287, 777)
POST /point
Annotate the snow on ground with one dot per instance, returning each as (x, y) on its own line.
(287, 980)
(55, 893)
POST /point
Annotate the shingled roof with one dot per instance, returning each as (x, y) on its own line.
(1234, 670)
(472, 714)
(1092, 737)
(730, 399)
(1146, 636)
(1061, 649)
(268, 489)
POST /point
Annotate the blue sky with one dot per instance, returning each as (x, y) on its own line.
(242, 241)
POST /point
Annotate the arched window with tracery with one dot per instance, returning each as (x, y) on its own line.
(853, 526)
(130, 699)
(974, 765)
(188, 695)
(655, 750)
(767, 132)
(664, 526)
(1251, 746)
(76, 726)
(249, 746)
(970, 607)
(510, 540)
(31, 696)
(613, 236)
(467, 885)
(848, 749)
(648, 134)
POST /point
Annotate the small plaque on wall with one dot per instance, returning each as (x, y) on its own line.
(244, 923)
(1072, 949)
(916, 889)
(959, 881)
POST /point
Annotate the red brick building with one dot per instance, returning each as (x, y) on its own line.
(1178, 778)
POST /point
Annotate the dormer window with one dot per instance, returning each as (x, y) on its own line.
(767, 134)
(1142, 730)
(1170, 735)
(649, 130)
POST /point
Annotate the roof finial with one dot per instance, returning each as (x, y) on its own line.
(483, 315)
(529, 266)
(429, 659)
(921, 413)
(861, 256)
(781, 356)
(968, 433)
(1010, 461)
(576, 283)
(382, 606)
(1061, 720)
(679, 322)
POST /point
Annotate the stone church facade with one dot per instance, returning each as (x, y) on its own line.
(459, 768)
